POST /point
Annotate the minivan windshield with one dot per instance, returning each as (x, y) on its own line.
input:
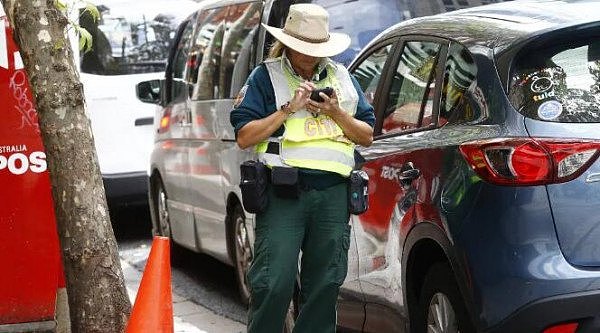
(559, 82)
(131, 37)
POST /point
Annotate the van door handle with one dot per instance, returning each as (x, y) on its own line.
(144, 121)
(408, 173)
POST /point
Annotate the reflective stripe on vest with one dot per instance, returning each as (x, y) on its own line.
(324, 154)
(312, 142)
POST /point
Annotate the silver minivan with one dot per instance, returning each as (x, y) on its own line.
(194, 167)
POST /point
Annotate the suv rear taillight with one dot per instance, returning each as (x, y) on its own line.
(529, 161)
(562, 328)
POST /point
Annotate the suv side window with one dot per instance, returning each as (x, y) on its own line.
(410, 101)
(459, 76)
(179, 67)
(240, 28)
(368, 73)
(206, 54)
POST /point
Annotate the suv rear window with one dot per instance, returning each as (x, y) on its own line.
(558, 83)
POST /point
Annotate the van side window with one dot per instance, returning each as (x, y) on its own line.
(179, 62)
(205, 56)
(410, 101)
(459, 76)
(241, 26)
(369, 71)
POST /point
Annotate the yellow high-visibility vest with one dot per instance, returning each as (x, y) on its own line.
(308, 141)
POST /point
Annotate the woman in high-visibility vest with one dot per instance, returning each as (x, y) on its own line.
(315, 140)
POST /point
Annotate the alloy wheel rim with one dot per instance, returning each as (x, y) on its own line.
(243, 252)
(163, 214)
(441, 317)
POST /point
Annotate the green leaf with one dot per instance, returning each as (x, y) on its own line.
(60, 5)
(85, 39)
(93, 10)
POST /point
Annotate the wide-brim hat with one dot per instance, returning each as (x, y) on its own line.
(306, 30)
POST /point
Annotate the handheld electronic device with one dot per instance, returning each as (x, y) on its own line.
(314, 95)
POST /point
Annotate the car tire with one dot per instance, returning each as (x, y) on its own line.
(441, 308)
(243, 252)
(163, 221)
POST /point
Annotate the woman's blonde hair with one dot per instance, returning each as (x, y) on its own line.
(276, 49)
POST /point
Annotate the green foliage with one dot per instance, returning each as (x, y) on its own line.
(60, 5)
(93, 10)
(85, 38)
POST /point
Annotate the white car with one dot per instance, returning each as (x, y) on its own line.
(130, 43)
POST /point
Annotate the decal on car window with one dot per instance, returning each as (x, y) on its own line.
(550, 110)
(541, 84)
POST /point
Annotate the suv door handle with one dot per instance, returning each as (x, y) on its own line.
(408, 173)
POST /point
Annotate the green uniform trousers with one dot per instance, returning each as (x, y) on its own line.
(317, 224)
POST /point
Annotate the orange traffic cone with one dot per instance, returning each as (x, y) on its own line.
(153, 308)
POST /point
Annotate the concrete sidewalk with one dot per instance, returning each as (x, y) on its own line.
(189, 317)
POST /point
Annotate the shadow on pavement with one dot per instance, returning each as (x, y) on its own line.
(208, 282)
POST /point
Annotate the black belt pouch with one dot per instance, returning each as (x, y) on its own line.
(253, 184)
(358, 192)
(285, 182)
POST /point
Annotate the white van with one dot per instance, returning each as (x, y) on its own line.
(130, 43)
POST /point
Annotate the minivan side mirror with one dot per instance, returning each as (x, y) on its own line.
(148, 91)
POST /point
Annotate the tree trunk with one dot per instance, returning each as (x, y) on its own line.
(98, 299)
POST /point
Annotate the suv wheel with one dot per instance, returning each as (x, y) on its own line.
(441, 308)
(243, 252)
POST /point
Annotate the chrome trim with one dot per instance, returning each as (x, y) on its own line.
(592, 178)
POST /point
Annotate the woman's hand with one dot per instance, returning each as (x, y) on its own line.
(329, 107)
(260, 129)
(357, 131)
(301, 96)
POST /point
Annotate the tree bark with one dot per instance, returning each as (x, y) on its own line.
(98, 299)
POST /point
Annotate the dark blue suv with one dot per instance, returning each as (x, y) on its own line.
(484, 179)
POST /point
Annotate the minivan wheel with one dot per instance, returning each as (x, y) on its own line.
(162, 212)
(164, 223)
(243, 252)
(441, 308)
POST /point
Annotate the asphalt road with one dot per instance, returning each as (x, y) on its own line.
(197, 277)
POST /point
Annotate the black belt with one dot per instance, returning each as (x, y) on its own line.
(308, 182)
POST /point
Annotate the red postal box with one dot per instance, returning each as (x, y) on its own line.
(29, 251)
